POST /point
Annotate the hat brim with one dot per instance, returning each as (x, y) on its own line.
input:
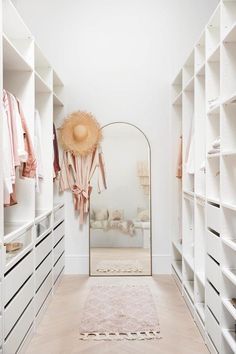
(67, 138)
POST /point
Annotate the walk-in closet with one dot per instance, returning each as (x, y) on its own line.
(118, 176)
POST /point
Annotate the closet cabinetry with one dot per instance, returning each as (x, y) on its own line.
(30, 273)
(204, 223)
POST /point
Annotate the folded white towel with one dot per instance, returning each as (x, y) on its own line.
(216, 143)
(213, 102)
(213, 151)
(203, 167)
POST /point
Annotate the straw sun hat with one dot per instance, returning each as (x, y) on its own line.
(80, 133)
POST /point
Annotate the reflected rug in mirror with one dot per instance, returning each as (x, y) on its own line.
(119, 312)
(119, 266)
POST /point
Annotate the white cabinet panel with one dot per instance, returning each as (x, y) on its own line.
(213, 272)
(213, 329)
(17, 305)
(58, 233)
(59, 249)
(213, 217)
(43, 249)
(17, 276)
(58, 267)
(43, 292)
(213, 245)
(213, 300)
(20, 330)
(43, 270)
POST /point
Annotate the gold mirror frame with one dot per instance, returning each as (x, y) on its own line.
(150, 206)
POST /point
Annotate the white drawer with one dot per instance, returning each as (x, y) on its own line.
(20, 330)
(17, 276)
(213, 300)
(43, 292)
(1, 329)
(213, 272)
(58, 268)
(59, 249)
(213, 245)
(17, 305)
(213, 329)
(43, 248)
(43, 225)
(213, 217)
(58, 233)
(43, 270)
(59, 214)
(1, 293)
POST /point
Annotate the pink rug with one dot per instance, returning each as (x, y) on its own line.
(119, 312)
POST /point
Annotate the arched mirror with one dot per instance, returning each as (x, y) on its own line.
(120, 217)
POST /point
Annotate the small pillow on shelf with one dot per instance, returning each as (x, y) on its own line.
(92, 214)
(116, 214)
(101, 214)
(143, 215)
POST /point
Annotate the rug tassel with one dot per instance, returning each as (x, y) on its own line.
(108, 336)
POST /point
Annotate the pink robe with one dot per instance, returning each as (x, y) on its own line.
(76, 174)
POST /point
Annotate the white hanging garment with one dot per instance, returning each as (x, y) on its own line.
(22, 153)
(190, 150)
(7, 159)
(38, 149)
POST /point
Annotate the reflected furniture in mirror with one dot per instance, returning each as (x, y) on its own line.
(120, 216)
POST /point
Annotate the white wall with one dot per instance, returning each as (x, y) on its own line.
(117, 58)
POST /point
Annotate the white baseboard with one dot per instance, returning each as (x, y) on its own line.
(161, 264)
(79, 264)
(76, 264)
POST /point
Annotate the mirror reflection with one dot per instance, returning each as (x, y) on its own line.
(120, 222)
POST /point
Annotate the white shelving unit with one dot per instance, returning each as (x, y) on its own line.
(29, 276)
(204, 224)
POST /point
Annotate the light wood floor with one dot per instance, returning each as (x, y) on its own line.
(142, 255)
(58, 331)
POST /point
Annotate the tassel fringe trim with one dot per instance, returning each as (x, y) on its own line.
(145, 335)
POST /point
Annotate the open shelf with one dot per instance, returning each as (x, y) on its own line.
(213, 32)
(189, 286)
(231, 99)
(230, 273)
(177, 265)
(13, 60)
(17, 33)
(189, 85)
(228, 11)
(230, 337)
(188, 70)
(228, 179)
(228, 305)
(57, 90)
(214, 56)
(178, 246)
(189, 260)
(230, 242)
(178, 100)
(40, 85)
(177, 87)
(230, 36)
(57, 101)
(228, 82)
(200, 308)
(200, 54)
